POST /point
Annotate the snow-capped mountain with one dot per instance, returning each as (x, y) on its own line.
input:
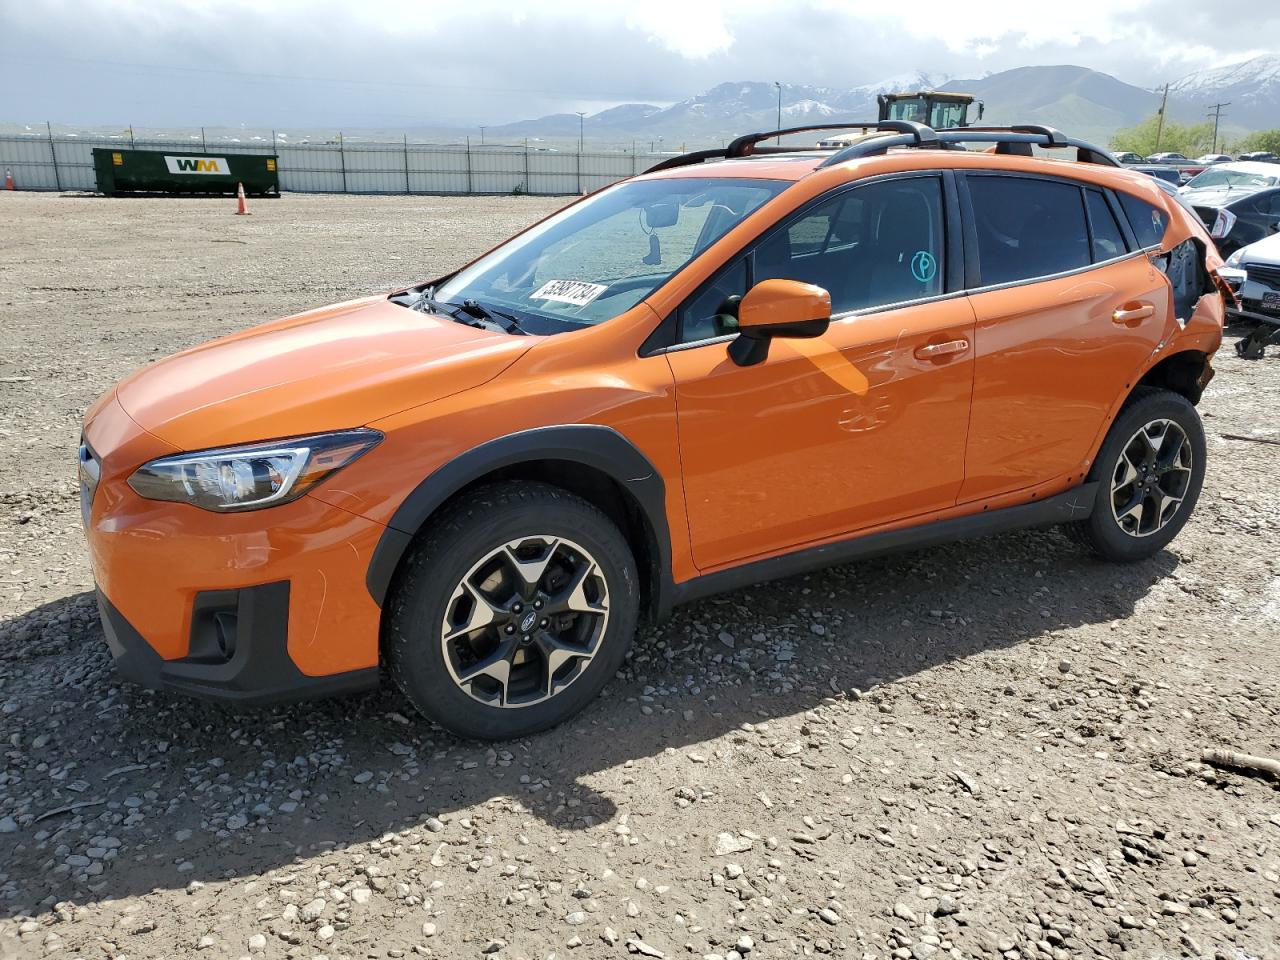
(1251, 88)
(913, 80)
(1083, 102)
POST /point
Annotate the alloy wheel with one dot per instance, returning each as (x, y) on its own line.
(525, 621)
(1151, 478)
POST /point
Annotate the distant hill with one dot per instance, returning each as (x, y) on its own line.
(1083, 102)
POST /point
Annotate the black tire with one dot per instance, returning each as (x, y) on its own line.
(465, 534)
(1103, 532)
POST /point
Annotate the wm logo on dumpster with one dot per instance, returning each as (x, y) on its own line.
(216, 166)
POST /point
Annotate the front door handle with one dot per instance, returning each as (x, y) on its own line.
(940, 351)
(1132, 314)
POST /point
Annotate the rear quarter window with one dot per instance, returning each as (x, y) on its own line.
(1149, 222)
(1108, 240)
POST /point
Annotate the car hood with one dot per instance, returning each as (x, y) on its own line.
(1216, 196)
(1265, 251)
(327, 369)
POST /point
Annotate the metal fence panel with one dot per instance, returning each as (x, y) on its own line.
(66, 163)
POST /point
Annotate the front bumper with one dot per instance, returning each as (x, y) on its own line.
(246, 663)
(283, 587)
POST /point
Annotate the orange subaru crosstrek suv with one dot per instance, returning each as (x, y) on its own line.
(742, 365)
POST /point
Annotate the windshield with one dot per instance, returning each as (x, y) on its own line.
(604, 255)
(1231, 178)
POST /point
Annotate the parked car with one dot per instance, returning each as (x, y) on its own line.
(1167, 158)
(1261, 156)
(705, 376)
(1212, 158)
(1253, 272)
(1243, 175)
(1236, 216)
(1160, 172)
(1128, 157)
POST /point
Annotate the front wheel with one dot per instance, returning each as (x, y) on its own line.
(1149, 471)
(513, 612)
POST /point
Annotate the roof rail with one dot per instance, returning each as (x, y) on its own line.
(916, 134)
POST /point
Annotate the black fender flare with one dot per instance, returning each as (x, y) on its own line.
(591, 445)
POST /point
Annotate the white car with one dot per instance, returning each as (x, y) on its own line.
(1254, 273)
(1239, 173)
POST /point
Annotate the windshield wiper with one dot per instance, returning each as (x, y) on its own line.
(469, 313)
(481, 312)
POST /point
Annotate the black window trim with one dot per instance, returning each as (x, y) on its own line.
(953, 282)
(1125, 238)
(973, 273)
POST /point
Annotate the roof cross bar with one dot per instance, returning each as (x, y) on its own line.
(1017, 139)
(1056, 138)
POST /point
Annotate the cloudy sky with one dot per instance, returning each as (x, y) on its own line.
(395, 63)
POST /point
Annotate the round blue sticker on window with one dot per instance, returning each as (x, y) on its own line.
(923, 266)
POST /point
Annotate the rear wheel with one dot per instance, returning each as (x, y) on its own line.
(513, 613)
(1149, 472)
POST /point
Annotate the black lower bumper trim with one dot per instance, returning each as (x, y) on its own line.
(259, 670)
(1257, 316)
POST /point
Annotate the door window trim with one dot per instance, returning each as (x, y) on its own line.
(666, 337)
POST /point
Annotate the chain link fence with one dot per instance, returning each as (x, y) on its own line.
(61, 162)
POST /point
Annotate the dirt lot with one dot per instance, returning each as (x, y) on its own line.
(985, 750)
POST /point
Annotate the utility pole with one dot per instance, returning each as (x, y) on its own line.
(482, 134)
(1160, 124)
(1216, 113)
(779, 126)
(581, 116)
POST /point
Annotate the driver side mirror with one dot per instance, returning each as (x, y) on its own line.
(778, 308)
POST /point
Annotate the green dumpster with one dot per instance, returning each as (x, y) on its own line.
(213, 172)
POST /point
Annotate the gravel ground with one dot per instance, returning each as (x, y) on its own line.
(989, 750)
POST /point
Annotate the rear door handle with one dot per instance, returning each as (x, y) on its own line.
(940, 351)
(1133, 314)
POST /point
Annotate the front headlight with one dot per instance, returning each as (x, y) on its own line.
(1235, 258)
(253, 476)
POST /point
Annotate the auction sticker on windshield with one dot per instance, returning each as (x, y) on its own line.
(577, 292)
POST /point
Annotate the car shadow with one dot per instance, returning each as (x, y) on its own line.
(196, 792)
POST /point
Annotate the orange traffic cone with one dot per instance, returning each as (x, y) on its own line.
(242, 205)
(8, 179)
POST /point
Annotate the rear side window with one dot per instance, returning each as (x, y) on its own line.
(1108, 240)
(1028, 228)
(1148, 222)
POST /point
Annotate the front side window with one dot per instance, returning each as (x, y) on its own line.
(872, 246)
(878, 244)
(604, 255)
(711, 312)
(1027, 228)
